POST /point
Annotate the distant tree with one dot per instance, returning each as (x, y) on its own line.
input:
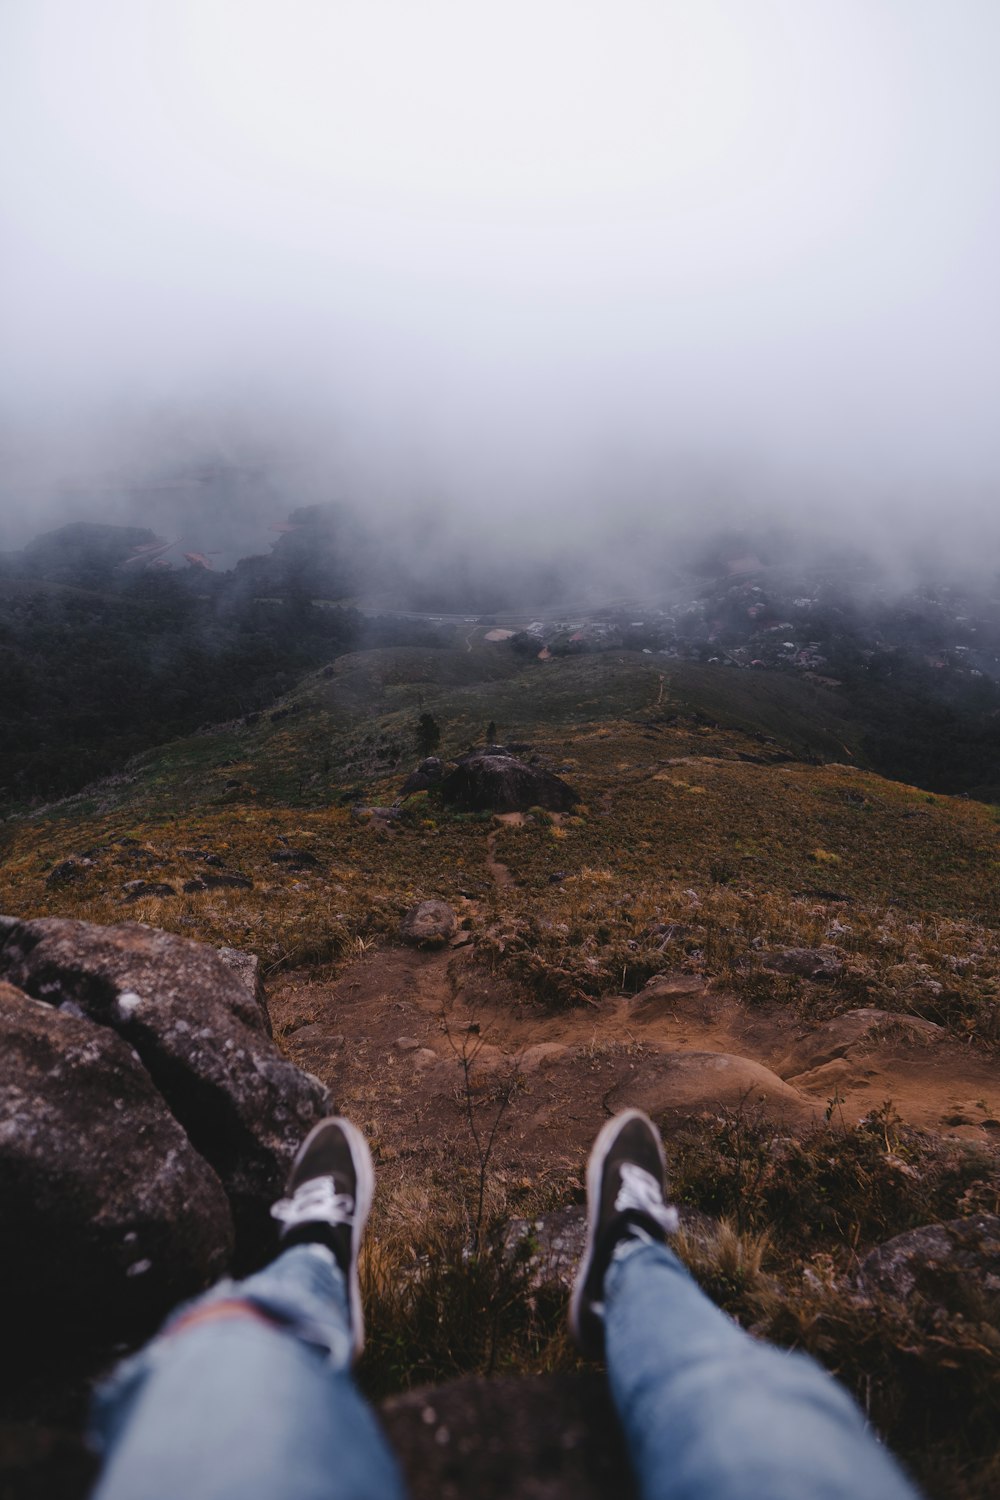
(428, 734)
(491, 732)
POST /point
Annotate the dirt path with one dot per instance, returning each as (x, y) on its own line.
(498, 871)
(385, 1036)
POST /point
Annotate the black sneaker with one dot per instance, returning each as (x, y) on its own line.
(626, 1176)
(328, 1199)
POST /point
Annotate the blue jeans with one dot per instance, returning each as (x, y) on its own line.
(709, 1413)
(243, 1409)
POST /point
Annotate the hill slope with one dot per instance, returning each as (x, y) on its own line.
(761, 949)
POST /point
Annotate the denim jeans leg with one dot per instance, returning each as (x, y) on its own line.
(709, 1413)
(243, 1408)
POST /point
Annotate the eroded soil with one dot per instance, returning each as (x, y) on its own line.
(392, 1034)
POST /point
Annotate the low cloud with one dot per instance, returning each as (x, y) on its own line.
(537, 278)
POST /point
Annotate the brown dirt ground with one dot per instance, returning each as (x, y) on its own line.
(387, 1036)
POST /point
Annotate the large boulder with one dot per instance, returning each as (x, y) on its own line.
(109, 1214)
(201, 1036)
(489, 782)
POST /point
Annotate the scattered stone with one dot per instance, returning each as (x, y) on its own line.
(68, 870)
(137, 890)
(201, 1035)
(429, 924)
(819, 964)
(484, 782)
(938, 1262)
(297, 859)
(109, 1215)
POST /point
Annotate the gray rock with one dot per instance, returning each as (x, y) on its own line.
(549, 1247)
(501, 783)
(136, 890)
(68, 870)
(246, 967)
(819, 964)
(429, 924)
(109, 1215)
(201, 1036)
(937, 1261)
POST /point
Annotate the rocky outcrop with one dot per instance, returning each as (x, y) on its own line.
(246, 967)
(941, 1263)
(109, 1216)
(429, 924)
(486, 782)
(202, 1037)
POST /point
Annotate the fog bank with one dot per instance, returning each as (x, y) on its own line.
(537, 271)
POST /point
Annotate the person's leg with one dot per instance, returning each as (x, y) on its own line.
(247, 1394)
(710, 1412)
(707, 1411)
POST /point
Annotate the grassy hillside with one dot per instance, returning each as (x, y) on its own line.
(681, 821)
(724, 814)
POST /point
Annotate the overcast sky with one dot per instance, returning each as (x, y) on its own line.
(606, 257)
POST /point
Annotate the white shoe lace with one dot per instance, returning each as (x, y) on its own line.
(316, 1201)
(641, 1192)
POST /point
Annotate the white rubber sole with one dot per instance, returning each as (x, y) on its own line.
(606, 1137)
